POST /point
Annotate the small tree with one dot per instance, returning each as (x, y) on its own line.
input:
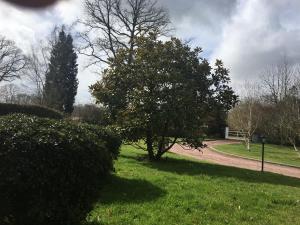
(162, 97)
(247, 115)
(61, 80)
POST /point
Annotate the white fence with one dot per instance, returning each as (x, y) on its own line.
(234, 134)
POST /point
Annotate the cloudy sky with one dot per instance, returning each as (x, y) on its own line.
(248, 35)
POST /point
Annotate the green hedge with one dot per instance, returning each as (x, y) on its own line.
(50, 170)
(112, 139)
(33, 110)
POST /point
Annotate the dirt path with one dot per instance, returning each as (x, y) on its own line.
(210, 155)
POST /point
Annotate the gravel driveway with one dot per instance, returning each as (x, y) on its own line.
(208, 154)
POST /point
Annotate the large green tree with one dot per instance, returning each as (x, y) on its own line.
(223, 100)
(61, 79)
(162, 97)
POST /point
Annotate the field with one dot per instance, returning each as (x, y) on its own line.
(181, 191)
(273, 153)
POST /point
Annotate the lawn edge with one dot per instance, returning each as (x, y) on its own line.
(249, 158)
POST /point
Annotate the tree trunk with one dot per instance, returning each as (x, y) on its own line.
(247, 142)
(163, 148)
(281, 135)
(293, 142)
(295, 148)
(149, 142)
(158, 156)
(249, 131)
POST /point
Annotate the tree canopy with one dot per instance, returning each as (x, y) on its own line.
(61, 79)
(164, 95)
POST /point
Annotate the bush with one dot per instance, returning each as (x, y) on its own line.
(33, 110)
(111, 139)
(50, 170)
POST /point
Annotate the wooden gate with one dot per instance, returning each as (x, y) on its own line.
(234, 134)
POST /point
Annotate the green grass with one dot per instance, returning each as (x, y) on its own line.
(273, 153)
(182, 191)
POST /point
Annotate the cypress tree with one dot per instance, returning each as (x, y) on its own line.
(61, 80)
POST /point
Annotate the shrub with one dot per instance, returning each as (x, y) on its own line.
(33, 110)
(50, 170)
(111, 139)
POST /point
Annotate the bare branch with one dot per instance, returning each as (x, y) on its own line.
(38, 67)
(277, 80)
(12, 60)
(114, 24)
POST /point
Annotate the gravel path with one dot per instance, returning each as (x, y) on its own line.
(208, 154)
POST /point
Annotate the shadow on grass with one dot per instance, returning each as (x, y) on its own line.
(91, 223)
(121, 190)
(124, 190)
(194, 168)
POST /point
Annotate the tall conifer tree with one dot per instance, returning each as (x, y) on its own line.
(61, 80)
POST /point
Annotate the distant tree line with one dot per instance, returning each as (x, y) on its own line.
(271, 106)
(91, 113)
(51, 68)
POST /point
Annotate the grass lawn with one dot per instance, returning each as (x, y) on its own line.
(273, 153)
(182, 191)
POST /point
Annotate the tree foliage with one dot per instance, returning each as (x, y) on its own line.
(61, 80)
(164, 96)
(223, 100)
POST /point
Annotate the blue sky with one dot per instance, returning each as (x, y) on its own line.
(248, 35)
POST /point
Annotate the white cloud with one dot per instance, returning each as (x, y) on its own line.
(69, 11)
(22, 26)
(258, 35)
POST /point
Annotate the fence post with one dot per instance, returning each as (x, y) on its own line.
(226, 132)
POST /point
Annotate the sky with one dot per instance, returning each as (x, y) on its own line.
(247, 35)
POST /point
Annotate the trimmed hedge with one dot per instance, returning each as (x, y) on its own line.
(31, 110)
(112, 139)
(50, 170)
